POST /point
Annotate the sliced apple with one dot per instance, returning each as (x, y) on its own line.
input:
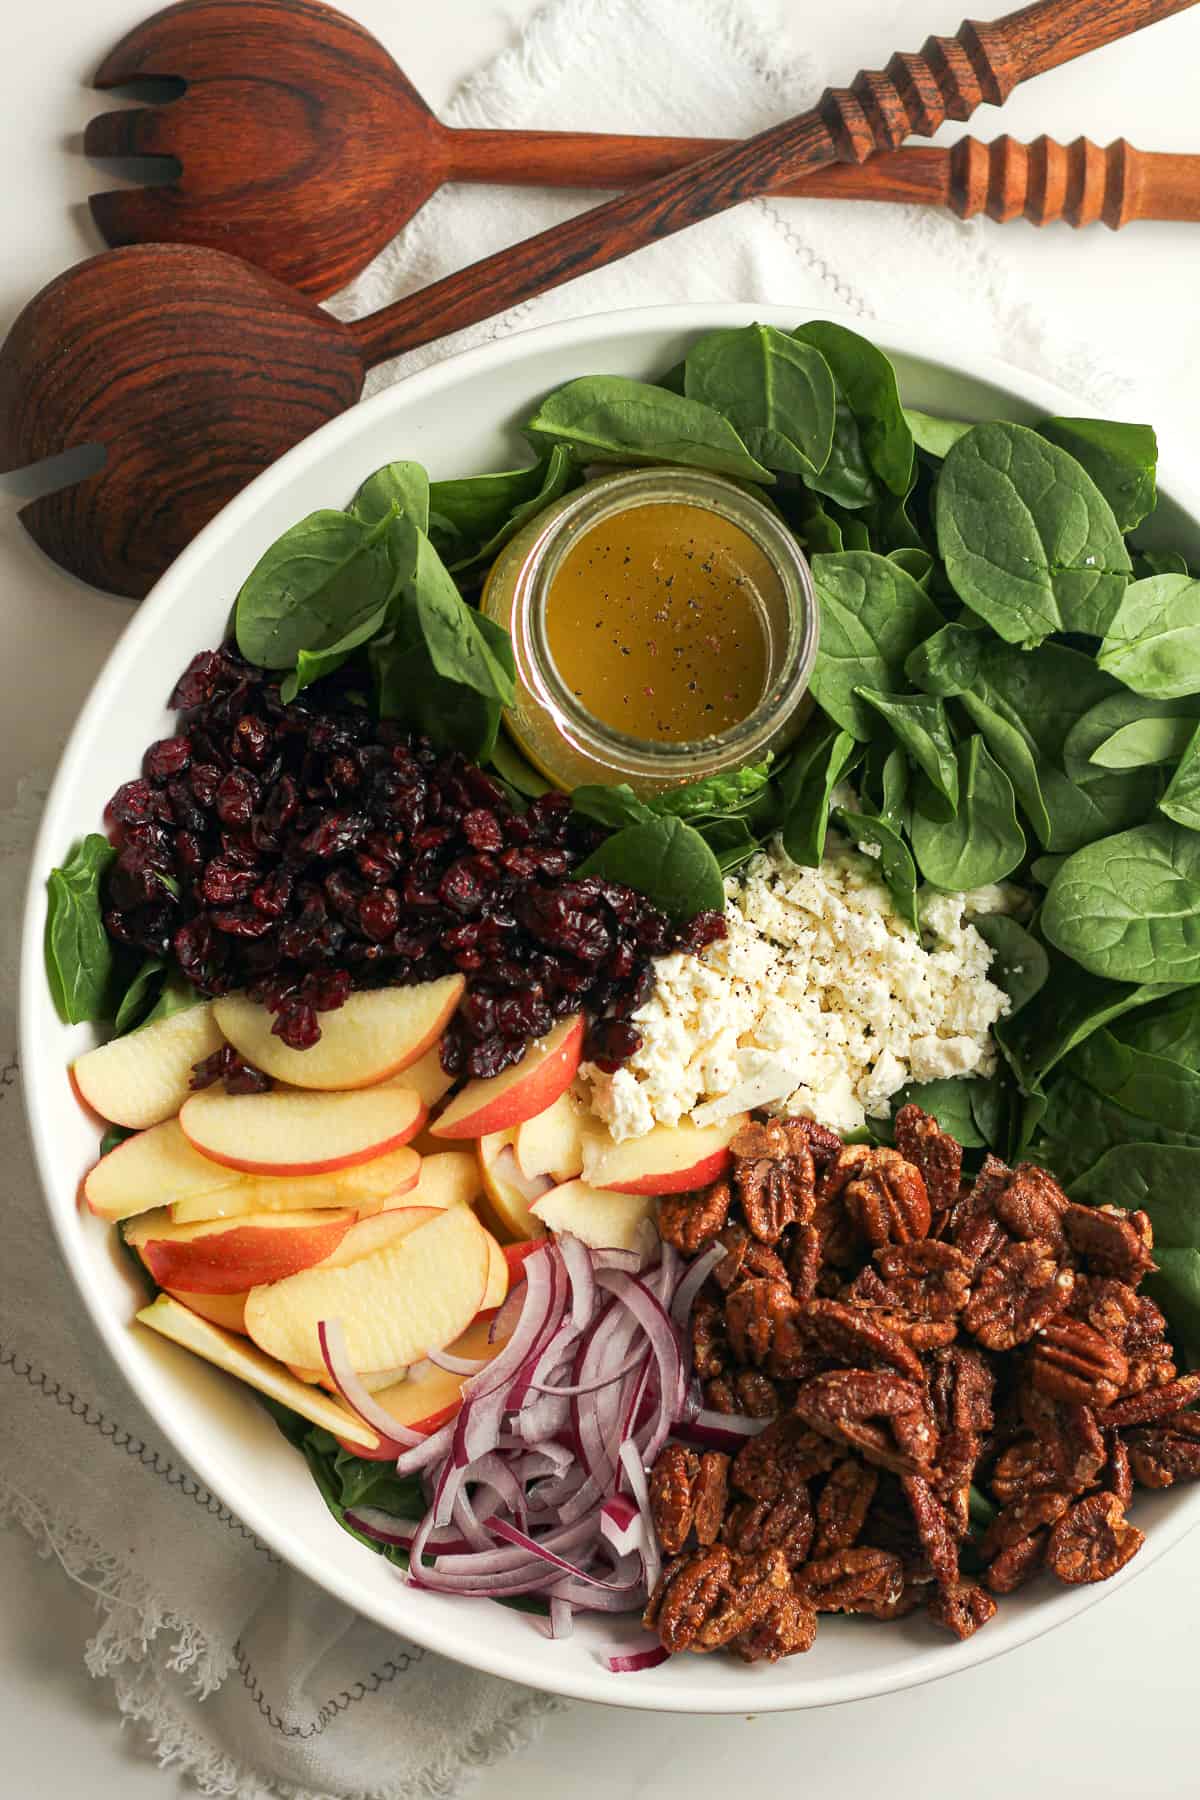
(429, 1397)
(374, 1234)
(448, 1178)
(156, 1166)
(228, 1256)
(410, 1297)
(509, 1193)
(373, 1036)
(226, 1310)
(288, 1132)
(367, 1187)
(545, 1070)
(598, 1217)
(670, 1159)
(551, 1143)
(497, 1281)
(142, 1078)
(233, 1354)
(427, 1077)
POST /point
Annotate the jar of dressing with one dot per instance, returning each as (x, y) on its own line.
(664, 627)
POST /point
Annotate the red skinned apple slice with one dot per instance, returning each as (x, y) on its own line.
(600, 1218)
(287, 1132)
(426, 1077)
(448, 1178)
(497, 1282)
(367, 1187)
(151, 1169)
(142, 1078)
(374, 1234)
(249, 1364)
(671, 1159)
(551, 1143)
(373, 1036)
(509, 1194)
(412, 1296)
(229, 1256)
(529, 1087)
(226, 1310)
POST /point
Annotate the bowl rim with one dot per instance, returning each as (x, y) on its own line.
(921, 343)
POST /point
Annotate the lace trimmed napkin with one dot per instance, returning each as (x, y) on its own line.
(237, 1670)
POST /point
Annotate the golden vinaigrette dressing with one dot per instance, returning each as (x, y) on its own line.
(656, 621)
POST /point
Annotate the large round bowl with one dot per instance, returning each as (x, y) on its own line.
(456, 418)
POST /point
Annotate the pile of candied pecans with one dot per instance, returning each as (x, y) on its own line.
(929, 1352)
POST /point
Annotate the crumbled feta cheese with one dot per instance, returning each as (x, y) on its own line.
(821, 1001)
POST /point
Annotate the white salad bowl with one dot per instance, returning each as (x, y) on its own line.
(457, 417)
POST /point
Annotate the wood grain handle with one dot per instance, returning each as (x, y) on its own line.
(914, 94)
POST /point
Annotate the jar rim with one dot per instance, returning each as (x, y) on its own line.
(622, 492)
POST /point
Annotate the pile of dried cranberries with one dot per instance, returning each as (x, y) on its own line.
(300, 851)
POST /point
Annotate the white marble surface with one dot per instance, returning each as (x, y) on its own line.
(1104, 1707)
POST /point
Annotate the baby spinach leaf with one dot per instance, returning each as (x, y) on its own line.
(1028, 540)
(116, 1134)
(1128, 907)
(176, 995)
(917, 563)
(920, 725)
(778, 394)
(614, 806)
(79, 954)
(868, 381)
(1145, 743)
(1071, 1004)
(477, 515)
(731, 790)
(1019, 963)
(311, 665)
(935, 436)
(994, 1106)
(1159, 562)
(1045, 868)
(1153, 640)
(872, 616)
(462, 643)
(805, 786)
(1181, 801)
(400, 488)
(667, 861)
(1121, 460)
(139, 996)
(983, 842)
(731, 841)
(608, 418)
(410, 687)
(315, 584)
(950, 661)
(817, 529)
(847, 479)
(1080, 1126)
(1150, 1087)
(511, 766)
(895, 859)
(1170, 1028)
(1108, 719)
(947, 1100)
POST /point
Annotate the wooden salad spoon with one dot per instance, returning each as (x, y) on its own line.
(304, 148)
(194, 370)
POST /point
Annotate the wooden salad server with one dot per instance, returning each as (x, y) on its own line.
(194, 371)
(304, 148)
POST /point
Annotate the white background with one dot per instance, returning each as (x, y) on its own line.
(1104, 1707)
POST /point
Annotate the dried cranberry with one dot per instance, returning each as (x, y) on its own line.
(482, 830)
(251, 741)
(227, 1067)
(223, 883)
(336, 832)
(133, 803)
(610, 1042)
(237, 796)
(379, 914)
(297, 1026)
(169, 757)
(705, 929)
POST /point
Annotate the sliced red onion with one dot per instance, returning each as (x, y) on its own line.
(562, 1619)
(537, 1547)
(530, 1187)
(336, 1357)
(693, 1281)
(628, 1596)
(635, 1474)
(631, 1661)
(507, 1314)
(384, 1528)
(426, 1450)
(621, 1526)
(577, 1260)
(719, 1431)
(457, 1365)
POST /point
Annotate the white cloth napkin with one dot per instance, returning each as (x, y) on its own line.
(237, 1670)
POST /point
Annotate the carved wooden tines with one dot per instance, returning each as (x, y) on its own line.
(195, 370)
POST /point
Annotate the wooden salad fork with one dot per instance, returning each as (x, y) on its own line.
(195, 370)
(304, 148)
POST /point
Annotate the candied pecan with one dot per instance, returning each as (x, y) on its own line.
(1160, 1455)
(937, 1540)
(929, 1278)
(754, 1585)
(921, 1140)
(804, 1261)
(1022, 1518)
(1070, 1361)
(783, 1455)
(710, 1344)
(843, 1505)
(1026, 1467)
(754, 1313)
(1111, 1240)
(688, 1590)
(1070, 1433)
(775, 1178)
(980, 1198)
(852, 1581)
(1032, 1206)
(1018, 1293)
(961, 1385)
(787, 1628)
(1154, 1403)
(692, 1221)
(980, 1240)
(787, 1524)
(848, 1334)
(842, 1403)
(1149, 1368)
(884, 1196)
(745, 1391)
(962, 1607)
(1130, 1320)
(1017, 1564)
(687, 1494)
(911, 1596)
(745, 1257)
(911, 1329)
(958, 1453)
(822, 1142)
(1118, 1472)
(1093, 1540)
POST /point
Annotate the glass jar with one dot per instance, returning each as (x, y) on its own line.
(553, 728)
